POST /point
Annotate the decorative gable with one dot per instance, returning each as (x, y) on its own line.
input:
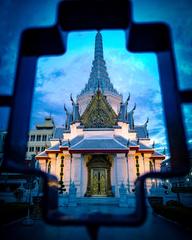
(99, 114)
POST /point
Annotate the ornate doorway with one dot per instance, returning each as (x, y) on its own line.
(99, 181)
(99, 176)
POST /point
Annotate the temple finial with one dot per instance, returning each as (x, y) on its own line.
(147, 121)
(128, 98)
(65, 109)
(134, 107)
(72, 99)
(98, 45)
(99, 77)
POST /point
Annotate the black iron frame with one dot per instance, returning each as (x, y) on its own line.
(36, 42)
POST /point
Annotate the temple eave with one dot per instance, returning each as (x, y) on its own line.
(100, 151)
(160, 157)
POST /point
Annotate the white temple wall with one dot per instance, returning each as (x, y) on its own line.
(132, 135)
(132, 170)
(120, 171)
(74, 131)
(67, 163)
(53, 160)
(114, 101)
(148, 142)
(54, 142)
(123, 131)
(83, 101)
(57, 166)
(113, 172)
(98, 134)
(42, 164)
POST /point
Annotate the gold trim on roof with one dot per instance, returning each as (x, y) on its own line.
(99, 114)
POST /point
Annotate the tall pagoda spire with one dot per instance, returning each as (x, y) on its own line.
(98, 46)
(99, 75)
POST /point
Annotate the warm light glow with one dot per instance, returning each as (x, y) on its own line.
(53, 184)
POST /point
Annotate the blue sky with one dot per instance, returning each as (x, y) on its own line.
(57, 77)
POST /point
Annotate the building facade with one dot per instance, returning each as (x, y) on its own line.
(101, 147)
(39, 138)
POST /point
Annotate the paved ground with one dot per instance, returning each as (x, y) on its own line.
(154, 228)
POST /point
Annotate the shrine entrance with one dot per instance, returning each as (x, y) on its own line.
(99, 176)
(99, 181)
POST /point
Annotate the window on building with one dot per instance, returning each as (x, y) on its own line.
(32, 138)
(44, 138)
(37, 149)
(42, 149)
(31, 149)
(38, 137)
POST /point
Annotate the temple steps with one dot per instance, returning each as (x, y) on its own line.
(97, 201)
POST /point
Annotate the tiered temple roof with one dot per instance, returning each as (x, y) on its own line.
(99, 113)
(117, 144)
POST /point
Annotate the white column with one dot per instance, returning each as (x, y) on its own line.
(76, 171)
(132, 170)
(121, 171)
(84, 175)
(66, 171)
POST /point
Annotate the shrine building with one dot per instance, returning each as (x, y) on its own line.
(100, 146)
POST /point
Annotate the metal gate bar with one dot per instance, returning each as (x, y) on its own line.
(37, 42)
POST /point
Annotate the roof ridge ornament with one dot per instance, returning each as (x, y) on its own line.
(134, 107)
(138, 141)
(71, 98)
(65, 109)
(128, 142)
(147, 121)
(128, 98)
(69, 143)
